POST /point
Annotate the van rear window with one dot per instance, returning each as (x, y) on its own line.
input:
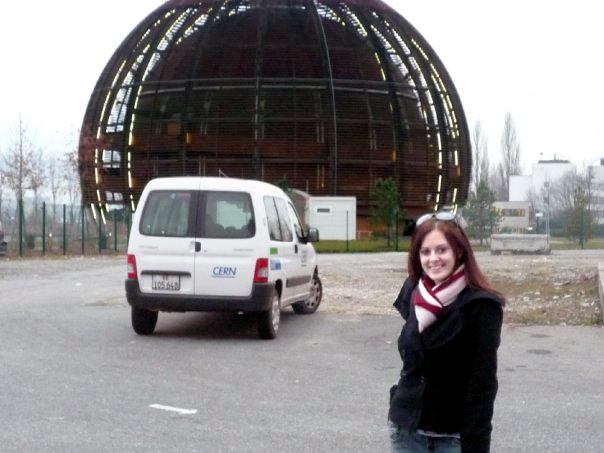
(167, 213)
(226, 215)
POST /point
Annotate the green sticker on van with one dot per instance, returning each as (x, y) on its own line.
(274, 251)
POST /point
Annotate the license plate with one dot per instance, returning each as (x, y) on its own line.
(165, 282)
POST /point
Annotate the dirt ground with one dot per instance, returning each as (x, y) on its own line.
(560, 288)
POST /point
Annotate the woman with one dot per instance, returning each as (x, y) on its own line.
(444, 399)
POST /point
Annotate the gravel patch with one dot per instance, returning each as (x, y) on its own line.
(560, 288)
(49, 266)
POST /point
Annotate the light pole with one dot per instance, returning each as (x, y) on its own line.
(538, 216)
(546, 185)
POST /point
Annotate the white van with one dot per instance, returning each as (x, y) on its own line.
(219, 244)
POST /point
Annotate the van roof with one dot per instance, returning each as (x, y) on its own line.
(214, 183)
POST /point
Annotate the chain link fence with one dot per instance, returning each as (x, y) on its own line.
(39, 229)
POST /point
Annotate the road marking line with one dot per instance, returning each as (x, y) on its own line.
(180, 410)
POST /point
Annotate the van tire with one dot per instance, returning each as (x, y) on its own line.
(310, 305)
(143, 321)
(268, 321)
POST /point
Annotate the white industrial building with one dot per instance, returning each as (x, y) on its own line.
(335, 217)
(515, 215)
(596, 173)
(545, 173)
(524, 190)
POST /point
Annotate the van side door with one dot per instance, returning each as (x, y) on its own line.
(296, 282)
(305, 258)
(281, 243)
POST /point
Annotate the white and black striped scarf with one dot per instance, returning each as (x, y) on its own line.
(430, 300)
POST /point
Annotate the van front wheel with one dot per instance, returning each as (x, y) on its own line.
(311, 304)
(268, 321)
(143, 321)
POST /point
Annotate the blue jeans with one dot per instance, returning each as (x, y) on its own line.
(403, 442)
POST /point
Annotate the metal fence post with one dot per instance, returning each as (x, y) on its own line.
(128, 223)
(347, 249)
(43, 228)
(83, 215)
(100, 220)
(115, 231)
(396, 231)
(64, 229)
(20, 214)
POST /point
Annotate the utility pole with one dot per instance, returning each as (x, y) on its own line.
(20, 159)
(546, 185)
(20, 194)
(582, 232)
(589, 177)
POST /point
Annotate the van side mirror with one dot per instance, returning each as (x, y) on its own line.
(313, 235)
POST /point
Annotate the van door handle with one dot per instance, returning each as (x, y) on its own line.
(296, 248)
(197, 246)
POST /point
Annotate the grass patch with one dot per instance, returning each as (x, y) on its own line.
(565, 244)
(360, 246)
(557, 243)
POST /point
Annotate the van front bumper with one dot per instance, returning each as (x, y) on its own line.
(259, 301)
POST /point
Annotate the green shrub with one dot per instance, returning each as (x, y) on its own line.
(30, 241)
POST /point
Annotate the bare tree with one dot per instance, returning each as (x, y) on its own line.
(71, 175)
(55, 182)
(480, 156)
(37, 177)
(510, 155)
(579, 220)
(3, 184)
(498, 181)
(535, 202)
(562, 191)
(594, 187)
(16, 162)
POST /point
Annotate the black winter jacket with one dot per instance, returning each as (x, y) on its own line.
(449, 378)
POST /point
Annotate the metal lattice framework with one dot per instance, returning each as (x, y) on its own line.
(327, 94)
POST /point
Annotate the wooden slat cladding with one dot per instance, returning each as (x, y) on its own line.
(328, 95)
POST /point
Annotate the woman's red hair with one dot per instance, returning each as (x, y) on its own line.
(460, 244)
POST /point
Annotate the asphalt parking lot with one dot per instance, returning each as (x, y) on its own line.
(76, 378)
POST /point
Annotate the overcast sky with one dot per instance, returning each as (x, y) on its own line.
(541, 61)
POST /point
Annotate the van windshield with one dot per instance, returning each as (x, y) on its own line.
(226, 215)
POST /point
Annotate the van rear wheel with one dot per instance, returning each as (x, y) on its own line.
(268, 321)
(310, 305)
(143, 321)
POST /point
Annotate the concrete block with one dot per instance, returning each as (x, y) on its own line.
(520, 243)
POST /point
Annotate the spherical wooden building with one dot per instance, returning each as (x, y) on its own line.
(329, 95)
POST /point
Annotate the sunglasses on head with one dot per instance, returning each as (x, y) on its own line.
(444, 216)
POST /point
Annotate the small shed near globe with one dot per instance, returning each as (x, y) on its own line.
(327, 95)
(335, 217)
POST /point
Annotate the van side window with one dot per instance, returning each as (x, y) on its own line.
(272, 219)
(167, 213)
(226, 215)
(297, 224)
(284, 220)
